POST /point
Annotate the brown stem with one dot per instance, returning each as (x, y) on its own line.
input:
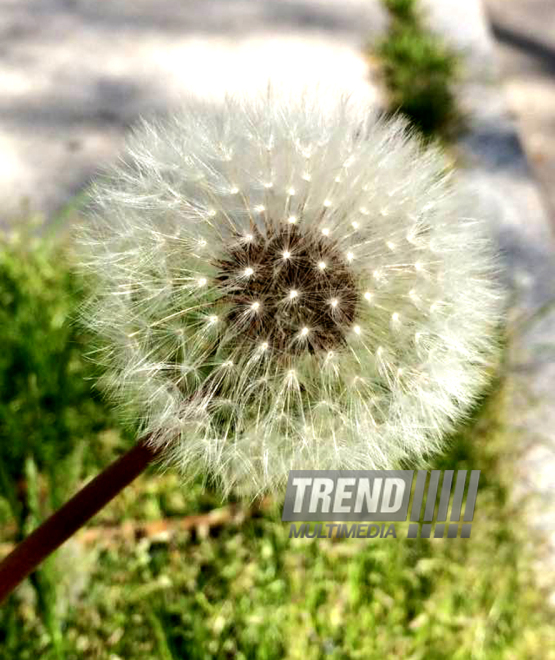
(74, 514)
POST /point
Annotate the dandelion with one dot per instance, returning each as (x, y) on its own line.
(286, 282)
(280, 282)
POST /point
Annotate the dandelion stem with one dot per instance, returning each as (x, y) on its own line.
(54, 531)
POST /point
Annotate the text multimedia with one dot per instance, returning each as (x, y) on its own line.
(337, 530)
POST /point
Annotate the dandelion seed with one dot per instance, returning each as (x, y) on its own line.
(215, 406)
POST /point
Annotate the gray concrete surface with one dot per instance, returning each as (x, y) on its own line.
(74, 74)
(524, 32)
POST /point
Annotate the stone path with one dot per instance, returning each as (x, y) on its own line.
(524, 32)
(74, 74)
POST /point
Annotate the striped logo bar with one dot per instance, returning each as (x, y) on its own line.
(439, 498)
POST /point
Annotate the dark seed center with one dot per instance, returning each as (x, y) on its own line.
(292, 289)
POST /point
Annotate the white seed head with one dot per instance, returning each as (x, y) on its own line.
(198, 346)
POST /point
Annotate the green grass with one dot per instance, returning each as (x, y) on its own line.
(244, 589)
(420, 72)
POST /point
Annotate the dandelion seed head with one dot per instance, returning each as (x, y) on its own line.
(225, 354)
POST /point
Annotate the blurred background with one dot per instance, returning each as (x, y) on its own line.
(166, 573)
(524, 32)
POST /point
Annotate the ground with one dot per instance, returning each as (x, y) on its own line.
(524, 32)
